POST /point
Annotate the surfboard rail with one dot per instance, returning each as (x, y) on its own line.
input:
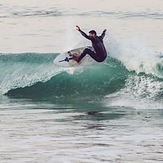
(65, 59)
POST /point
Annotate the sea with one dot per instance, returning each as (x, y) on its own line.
(101, 112)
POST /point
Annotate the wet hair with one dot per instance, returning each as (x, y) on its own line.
(92, 32)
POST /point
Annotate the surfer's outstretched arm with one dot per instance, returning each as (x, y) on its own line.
(103, 33)
(83, 33)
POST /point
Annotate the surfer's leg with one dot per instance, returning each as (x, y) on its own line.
(83, 54)
(89, 52)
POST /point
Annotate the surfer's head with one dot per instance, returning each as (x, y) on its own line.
(92, 33)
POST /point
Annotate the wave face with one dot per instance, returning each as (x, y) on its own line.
(32, 74)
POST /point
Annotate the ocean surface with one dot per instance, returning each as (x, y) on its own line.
(103, 112)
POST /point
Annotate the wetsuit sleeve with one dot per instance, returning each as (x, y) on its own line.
(84, 34)
(103, 34)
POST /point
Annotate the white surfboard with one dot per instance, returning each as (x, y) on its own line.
(65, 59)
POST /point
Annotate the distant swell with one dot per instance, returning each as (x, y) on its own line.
(29, 12)
(58, 11)
(37, 13)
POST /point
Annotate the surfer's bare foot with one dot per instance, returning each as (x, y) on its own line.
(75, 58)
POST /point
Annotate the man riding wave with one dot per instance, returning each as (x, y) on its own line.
(99, 53)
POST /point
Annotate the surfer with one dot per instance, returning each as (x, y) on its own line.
(99, 52)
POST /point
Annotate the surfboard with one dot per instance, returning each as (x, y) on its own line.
(65, 59)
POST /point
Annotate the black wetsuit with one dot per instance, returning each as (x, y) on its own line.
(99, 54)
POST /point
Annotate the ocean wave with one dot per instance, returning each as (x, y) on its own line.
(41, 13)
(127, 69)
(8, 12)
(43, 78)
(131, 14)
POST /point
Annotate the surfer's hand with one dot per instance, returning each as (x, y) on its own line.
(77, 28)
(104, 30)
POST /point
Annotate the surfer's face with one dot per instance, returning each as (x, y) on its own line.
(92, 34)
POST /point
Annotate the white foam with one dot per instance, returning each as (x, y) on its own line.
(135, 56)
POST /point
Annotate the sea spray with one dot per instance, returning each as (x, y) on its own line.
(135, 57)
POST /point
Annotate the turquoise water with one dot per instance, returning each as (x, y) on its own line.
(103, 112)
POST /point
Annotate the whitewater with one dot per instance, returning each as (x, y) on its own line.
(102, 112)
